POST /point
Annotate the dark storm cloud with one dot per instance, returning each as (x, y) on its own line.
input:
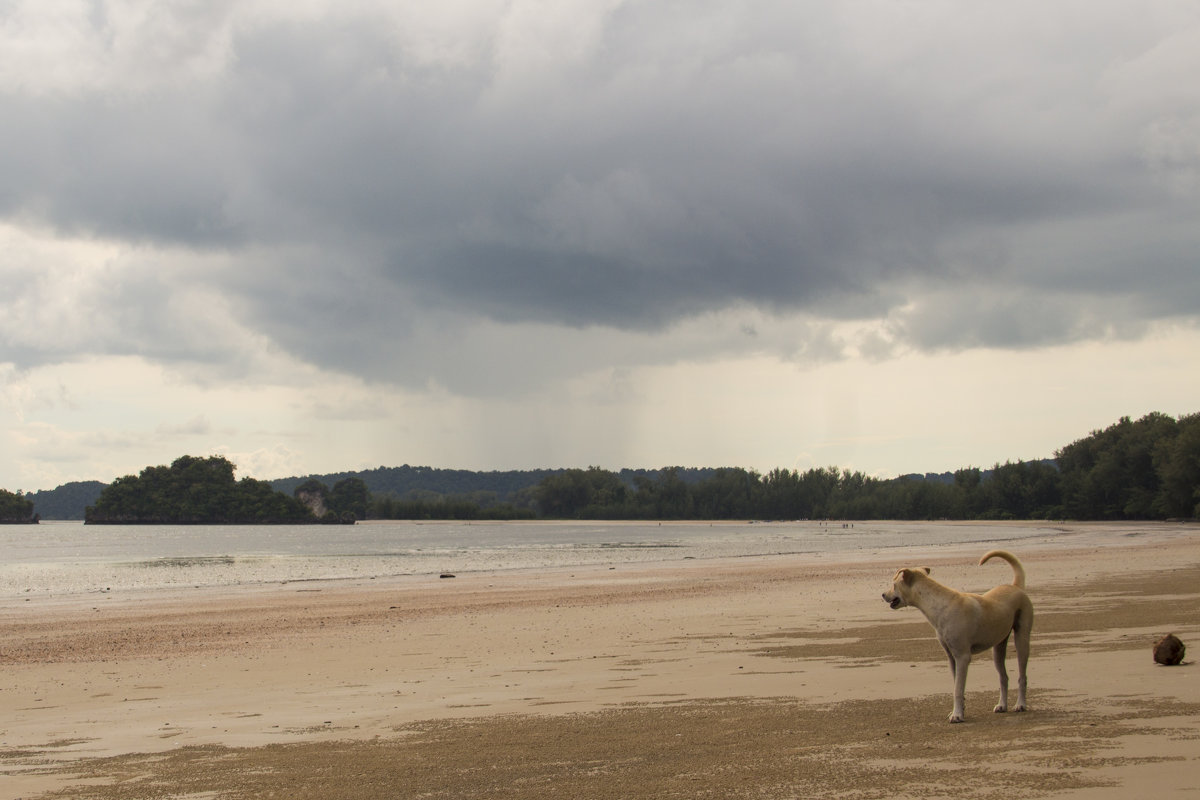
(976, 178)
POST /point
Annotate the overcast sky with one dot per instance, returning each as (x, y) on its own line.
(317, 236)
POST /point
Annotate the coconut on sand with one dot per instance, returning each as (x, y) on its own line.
(1169, 650)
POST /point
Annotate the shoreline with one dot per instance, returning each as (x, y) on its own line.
(379, 671)
(211, 565)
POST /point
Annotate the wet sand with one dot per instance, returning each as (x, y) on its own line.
(772, 677)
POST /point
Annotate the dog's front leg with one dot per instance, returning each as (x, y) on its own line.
(998, 653)
(958, 665)
(950, 656)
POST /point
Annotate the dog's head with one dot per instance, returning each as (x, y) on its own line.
(902, 586)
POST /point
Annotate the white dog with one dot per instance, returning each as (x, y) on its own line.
(967, 624)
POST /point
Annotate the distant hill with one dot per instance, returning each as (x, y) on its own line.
(67, 501)
(936, 477)
(408, 481)
(948, 477)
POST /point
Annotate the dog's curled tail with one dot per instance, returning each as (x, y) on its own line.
(1013, 561)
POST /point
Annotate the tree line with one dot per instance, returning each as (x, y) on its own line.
(1134, 469)
(1143, 469)
(16, 508)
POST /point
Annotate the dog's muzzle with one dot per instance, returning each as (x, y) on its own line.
(894, 602)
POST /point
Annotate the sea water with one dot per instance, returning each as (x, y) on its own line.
(59, 558)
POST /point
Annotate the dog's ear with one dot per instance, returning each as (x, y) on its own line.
(907, 575)
(927, 570)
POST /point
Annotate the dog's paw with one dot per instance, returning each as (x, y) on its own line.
(955, 717)
(1000, 708)
(1021, 708)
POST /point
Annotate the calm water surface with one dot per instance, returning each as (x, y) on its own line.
(67, 557)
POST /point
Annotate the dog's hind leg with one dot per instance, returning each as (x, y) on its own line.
(998, 653)
(1023, 629)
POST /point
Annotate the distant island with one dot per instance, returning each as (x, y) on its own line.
(1132, 470)
(203, 491)
(16, 509)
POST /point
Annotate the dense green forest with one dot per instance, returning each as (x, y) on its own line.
(1144, 469)
(1135, 469)
(194, 491)
(15, 508)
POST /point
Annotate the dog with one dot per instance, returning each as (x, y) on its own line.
(968, 624)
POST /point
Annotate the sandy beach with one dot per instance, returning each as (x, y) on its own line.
(765, 677)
